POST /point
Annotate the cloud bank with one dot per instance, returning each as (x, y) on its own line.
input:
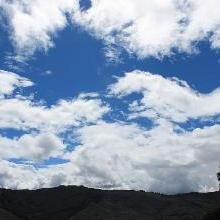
(142, 27)
(111, 154)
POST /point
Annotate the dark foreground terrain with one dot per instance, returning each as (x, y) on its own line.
(80, 203)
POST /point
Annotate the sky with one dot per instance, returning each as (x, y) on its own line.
(110, 94)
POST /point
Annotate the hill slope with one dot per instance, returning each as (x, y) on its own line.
(80, 203)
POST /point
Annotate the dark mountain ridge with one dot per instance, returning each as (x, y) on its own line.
(81, 203)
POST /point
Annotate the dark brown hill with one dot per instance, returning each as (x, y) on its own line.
(81, 203)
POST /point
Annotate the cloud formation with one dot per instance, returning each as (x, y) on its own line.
(24, 113)
(114, 154)
(121, 156)
(34, 147)
(118, 155)
(170, 99)
(142, 27)
(153, 28)
(40, 124)
(10, 81)
(34, 23)
(107, 152)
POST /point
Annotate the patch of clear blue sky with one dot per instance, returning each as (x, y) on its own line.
(200, 123)
(41, 164)
(11, 132)
(85, 4)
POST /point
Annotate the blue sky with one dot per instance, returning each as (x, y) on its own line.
(86, 69)
(86, 100)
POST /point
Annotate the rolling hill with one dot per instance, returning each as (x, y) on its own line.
(81, 203)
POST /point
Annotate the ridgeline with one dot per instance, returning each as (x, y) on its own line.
(81, 203)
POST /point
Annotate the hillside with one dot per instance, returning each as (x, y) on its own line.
(80, 203)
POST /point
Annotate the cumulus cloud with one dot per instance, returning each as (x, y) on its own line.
(126, 156)
(31, 146)
(143, 27)
(168, 98)
(12, 176)
(41, 125)
(117, 154)
(114, 154)
(153, 28)
(34, 23)
(23, 113)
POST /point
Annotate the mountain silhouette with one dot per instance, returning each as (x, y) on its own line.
(81, 203)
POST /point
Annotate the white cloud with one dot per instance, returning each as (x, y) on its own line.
(122, 156)
(34, 23)
(23, 113)
(204, 20)
(34, 147)
(26, 115)
(167, 98)
(10, 81)
(114, 155)
(143, 27)
(13, 176)
(153, 28)
(125, 156)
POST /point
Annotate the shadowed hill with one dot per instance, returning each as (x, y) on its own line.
(80, 203)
